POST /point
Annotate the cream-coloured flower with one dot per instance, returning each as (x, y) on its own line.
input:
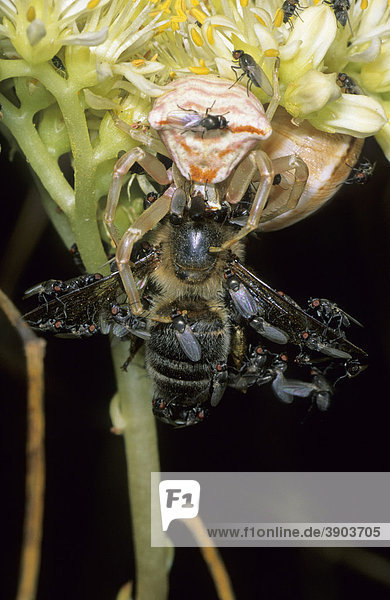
(37, 29)
(136, 47)
(197, 37)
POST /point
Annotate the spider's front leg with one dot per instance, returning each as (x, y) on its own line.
(146, 221)
(260, 163)
(289, 198)
(255, 161)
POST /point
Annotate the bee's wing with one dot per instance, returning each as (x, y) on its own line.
(284, 314)
(352, 319)
(88, 305)
(182, 119)
(77, 308)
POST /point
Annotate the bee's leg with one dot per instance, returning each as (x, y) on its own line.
(256, 161)
(145, 222)
(289, 198)
(149, 163)
(274, 102)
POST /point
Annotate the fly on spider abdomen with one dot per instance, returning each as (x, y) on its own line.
(200, 308)
(191, 120)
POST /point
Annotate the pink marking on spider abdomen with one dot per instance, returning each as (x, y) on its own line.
(212, 157)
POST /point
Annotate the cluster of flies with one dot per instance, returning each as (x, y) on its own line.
(292, 8)
(207, 321)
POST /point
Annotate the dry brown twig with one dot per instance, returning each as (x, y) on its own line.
(34, 349)
(212, 559)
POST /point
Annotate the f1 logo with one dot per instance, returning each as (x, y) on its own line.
(179, 499)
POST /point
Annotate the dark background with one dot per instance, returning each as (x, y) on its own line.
(341, 253)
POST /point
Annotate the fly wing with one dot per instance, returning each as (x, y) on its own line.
(244, 302)
(182, 119)
(189, 344)
(260, 79)
(286, 389)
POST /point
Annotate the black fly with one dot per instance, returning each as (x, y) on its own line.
(340, 9)
(290, 8)
(347, 84)
(252, 70)
(362, 173)
(191, 120)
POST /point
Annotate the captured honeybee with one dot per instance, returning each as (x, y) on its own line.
(208, 322)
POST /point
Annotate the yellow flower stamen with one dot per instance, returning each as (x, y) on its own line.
(175, 25)
(363, 4)
(271, 52)
(162, 27)
(244, 3)
(260, 20)
(194, 2)
(154, 57)
(278, 17)
(165, 8)
(180, 7)
(210, 35)
(196, 38)
(93, 3)
(201, 70)
(138, 62)
(31, 14)
(198, 15)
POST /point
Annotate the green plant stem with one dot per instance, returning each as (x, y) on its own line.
(152, 564)
(20, 124)
(83, 217)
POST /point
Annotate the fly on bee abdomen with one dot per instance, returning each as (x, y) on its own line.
(181, 359)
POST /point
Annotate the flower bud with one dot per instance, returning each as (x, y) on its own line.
(383, 137)
(311, 92)
(376, 75)
(312, 35)
(355, 115)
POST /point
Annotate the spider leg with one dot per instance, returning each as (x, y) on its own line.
(289, 198)
(146, 221)
(262, 163)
